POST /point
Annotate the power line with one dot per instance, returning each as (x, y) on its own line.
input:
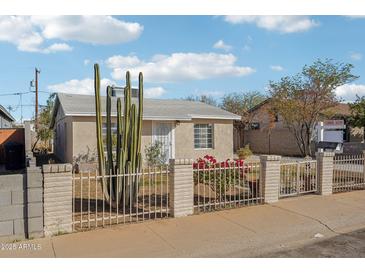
(14, 93)
(37, 72)
(26, 105)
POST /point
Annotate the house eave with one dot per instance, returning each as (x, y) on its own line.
(163, 118)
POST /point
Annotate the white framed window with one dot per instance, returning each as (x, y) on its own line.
(114, 130)
(113, 127)
(203, 136)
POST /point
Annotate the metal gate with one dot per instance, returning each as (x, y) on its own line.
(298, 178)
(91, 208)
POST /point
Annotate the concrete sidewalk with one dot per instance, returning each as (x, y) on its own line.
(244, 232)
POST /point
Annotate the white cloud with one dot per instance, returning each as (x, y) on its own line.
(154, 92)
(86, 62)
(178, 67)
(30, 33)
(123, 61)
(88, 29)
(57, 47)
(221, 45)
(283, 24)
(348, 92)
(84, 86)
(356, 56)
(276, 68)
(19, 31)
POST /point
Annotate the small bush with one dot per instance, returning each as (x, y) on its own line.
(244, 152)
(155, 156)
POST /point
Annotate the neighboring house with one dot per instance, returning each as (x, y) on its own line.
(6, 120)
(9, 132)
(268, 135)
(187, 129)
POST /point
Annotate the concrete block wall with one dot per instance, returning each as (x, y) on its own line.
(181, 187)
(270, 177)
(34, 201)
(57, 181)
(21, 205)
(12, 209)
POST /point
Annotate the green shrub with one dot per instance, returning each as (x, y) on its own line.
(155, 156)
(244, 152)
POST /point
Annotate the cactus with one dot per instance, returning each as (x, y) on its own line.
(128, 148)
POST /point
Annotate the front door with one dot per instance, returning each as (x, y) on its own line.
(163, 133)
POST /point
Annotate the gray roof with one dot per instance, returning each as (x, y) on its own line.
(154, 109)
(7, 115)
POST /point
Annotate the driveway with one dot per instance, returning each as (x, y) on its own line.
(307, 226)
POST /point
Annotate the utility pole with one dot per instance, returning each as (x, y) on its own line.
(37, 71)
(21, 107)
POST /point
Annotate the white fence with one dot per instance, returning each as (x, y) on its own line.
(146, 198)
(226, 185)
(298, 178)
(348, 173)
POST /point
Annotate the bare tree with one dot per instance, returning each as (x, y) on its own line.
(240, 104)
(207, 99)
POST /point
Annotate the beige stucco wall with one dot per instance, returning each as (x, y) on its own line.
(279, 141)
(272, 137)
(222, 144)
(84, 135)
(82, 138)
(63, 137)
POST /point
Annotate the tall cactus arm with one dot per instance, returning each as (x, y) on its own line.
(109, 139)
(126, 120)
(133, 140)
(140, 117)
(119, 135)
(100, 145)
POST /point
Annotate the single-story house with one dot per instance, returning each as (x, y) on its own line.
(266, 135)
(6, 119)
(187, 129)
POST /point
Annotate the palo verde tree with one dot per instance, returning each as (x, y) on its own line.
(301, 100)
(357, 118)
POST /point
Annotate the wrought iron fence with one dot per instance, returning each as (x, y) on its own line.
(227, 185)
(298, 178)
(348, 173)
(91, 206)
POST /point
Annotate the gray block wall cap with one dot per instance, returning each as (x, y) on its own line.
(325, 154)
(34, 168)
(181, 161)
(57, 168)
(270, 158)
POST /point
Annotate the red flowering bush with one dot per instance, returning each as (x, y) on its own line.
(220, 176)
(209, 161)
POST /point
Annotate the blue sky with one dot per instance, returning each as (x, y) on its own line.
(179, 55)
